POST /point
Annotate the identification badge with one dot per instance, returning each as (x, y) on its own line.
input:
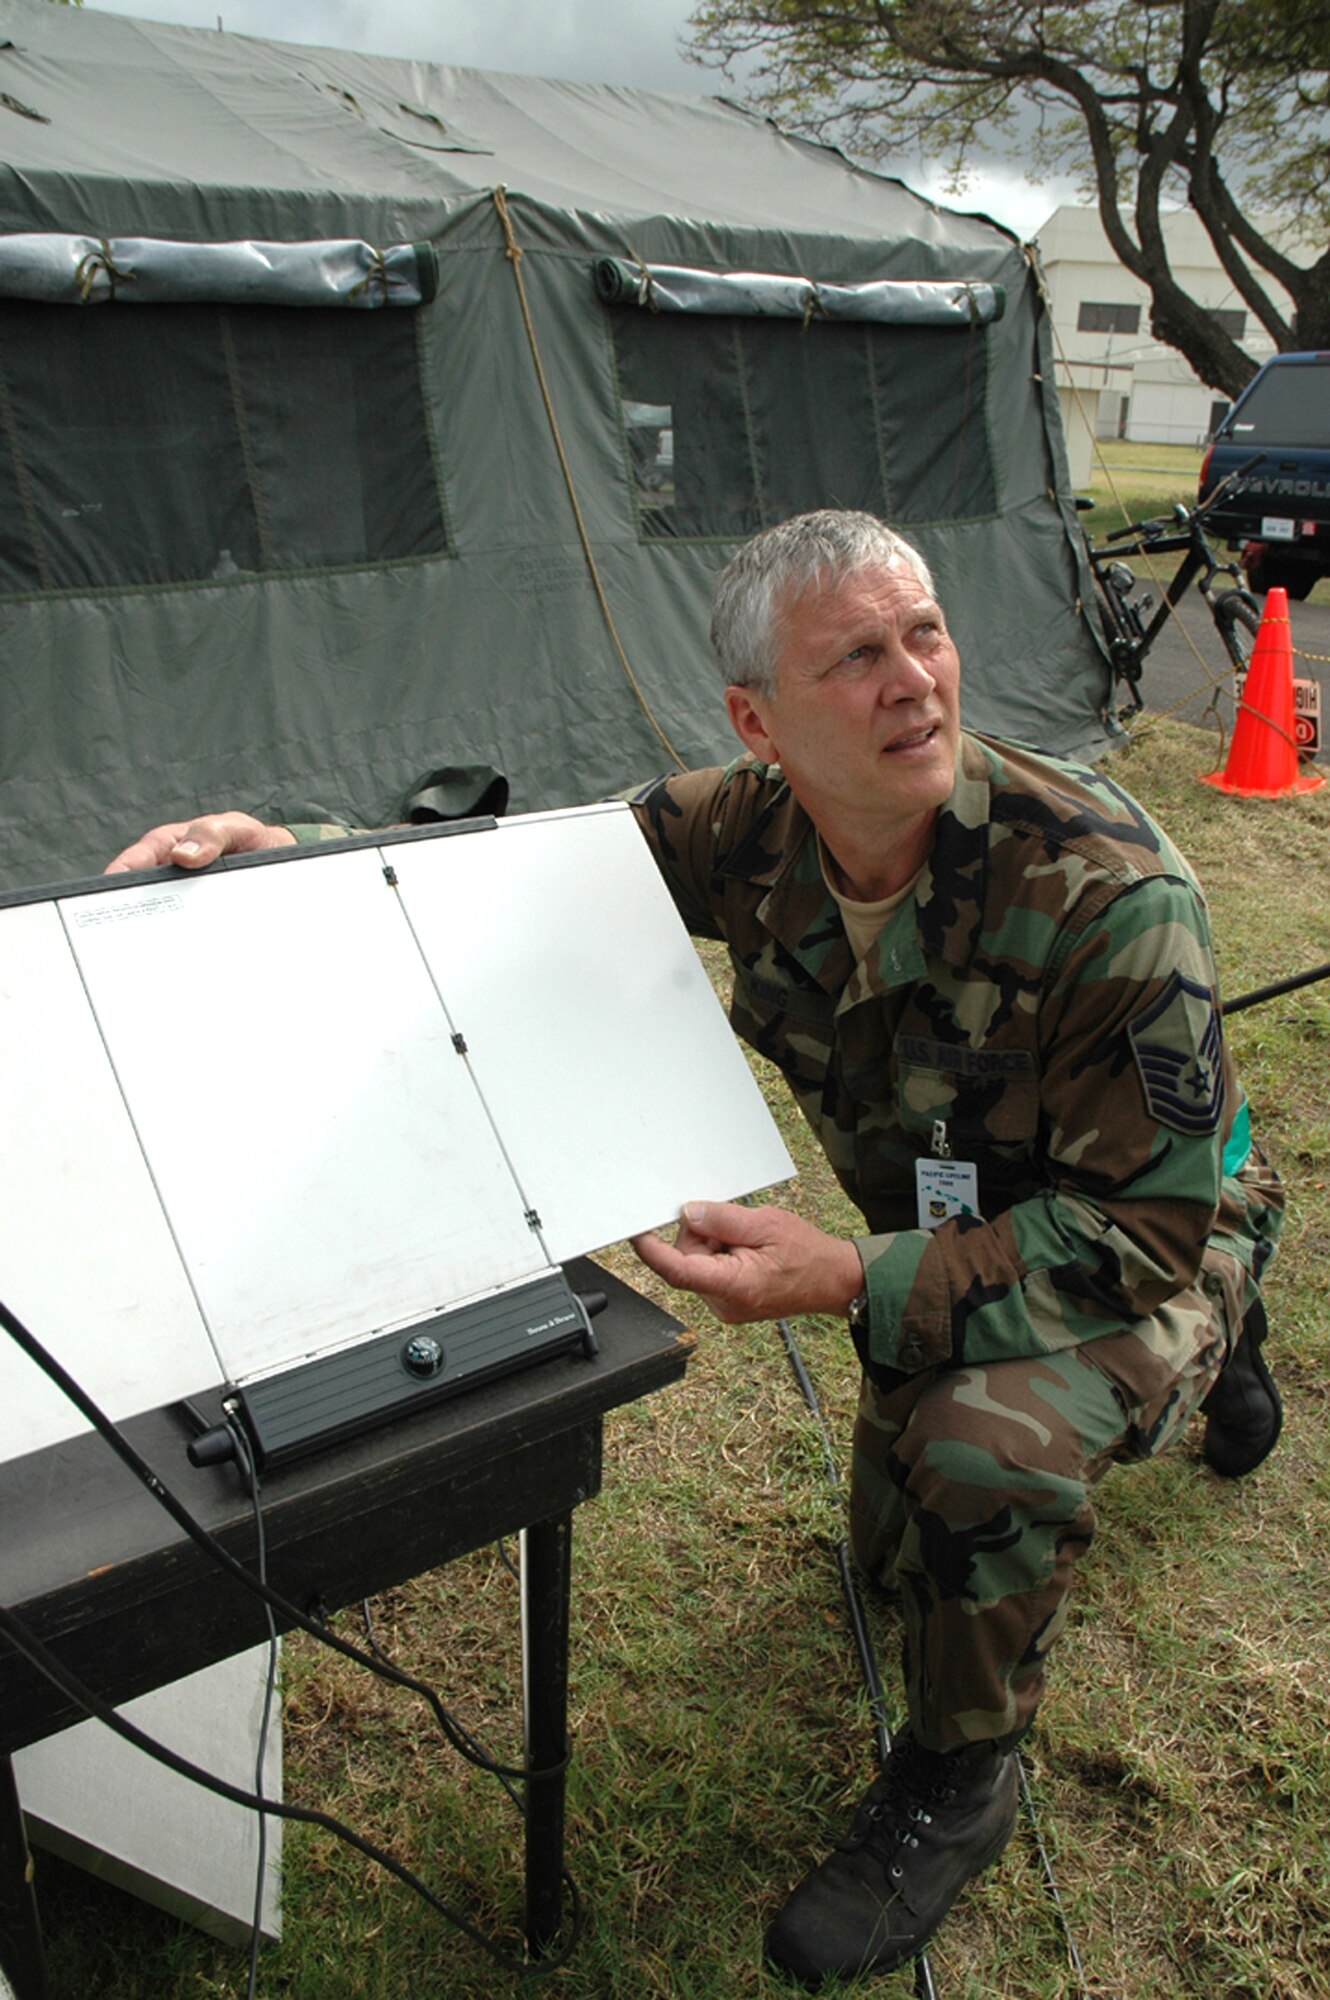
(944, 1188)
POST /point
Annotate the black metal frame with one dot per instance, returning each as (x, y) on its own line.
(1127, 630)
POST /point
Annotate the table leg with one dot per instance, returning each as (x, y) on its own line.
(546, 1591)
(21, 1961)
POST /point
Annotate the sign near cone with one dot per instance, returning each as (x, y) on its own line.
(1263, 756)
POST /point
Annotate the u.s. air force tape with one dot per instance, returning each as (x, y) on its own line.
(1177, 1049)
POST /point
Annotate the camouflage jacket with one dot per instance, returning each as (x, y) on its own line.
(1047, 995)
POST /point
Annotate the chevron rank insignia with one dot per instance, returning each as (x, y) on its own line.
(1178, 1053)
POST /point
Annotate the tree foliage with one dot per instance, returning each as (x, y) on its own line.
(1219, 105)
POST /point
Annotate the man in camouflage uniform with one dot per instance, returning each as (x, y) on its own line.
(987, 977)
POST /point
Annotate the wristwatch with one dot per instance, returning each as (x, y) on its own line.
(859, 1314)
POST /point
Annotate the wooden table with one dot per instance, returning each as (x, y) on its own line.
(129, 1602)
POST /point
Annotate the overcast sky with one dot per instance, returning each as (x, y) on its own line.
(636, 42)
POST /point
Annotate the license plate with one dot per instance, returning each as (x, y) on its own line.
(1274, 528)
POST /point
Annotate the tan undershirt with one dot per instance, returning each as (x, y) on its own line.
(863, 921)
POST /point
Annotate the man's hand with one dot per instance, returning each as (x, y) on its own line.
(193, 843)
(754, 1263)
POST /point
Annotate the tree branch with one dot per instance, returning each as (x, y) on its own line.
(1149, 91)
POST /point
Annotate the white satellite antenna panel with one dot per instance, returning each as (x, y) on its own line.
(590, 1025)
(86, 1257)
(283, 1123)
(322, 1154)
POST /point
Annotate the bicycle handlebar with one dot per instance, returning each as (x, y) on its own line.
(1157, 525)
(1185, 519)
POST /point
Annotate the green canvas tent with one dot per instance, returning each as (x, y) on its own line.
(371, 431)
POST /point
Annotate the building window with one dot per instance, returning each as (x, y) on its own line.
(170, 444)
(1233, 323)
(733, 424)
(1100, 316)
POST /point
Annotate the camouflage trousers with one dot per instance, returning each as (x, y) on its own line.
(971, 1494)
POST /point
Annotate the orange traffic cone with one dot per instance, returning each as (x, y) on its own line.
(1263, 756)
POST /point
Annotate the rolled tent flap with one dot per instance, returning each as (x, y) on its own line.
(672, 288)
(144, 270)
(620, 283)
(756, 294)
(922, 302)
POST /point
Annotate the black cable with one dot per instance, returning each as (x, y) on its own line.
(863, 1646)
(25, 1641)
(47, 1663)
(216, 1550)
(854, 1606)
(1277, 987)
(1027, 1800)
(367, 1619)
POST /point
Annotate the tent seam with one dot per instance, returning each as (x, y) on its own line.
(514, 253)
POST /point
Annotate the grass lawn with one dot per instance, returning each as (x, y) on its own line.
(1180, 1770)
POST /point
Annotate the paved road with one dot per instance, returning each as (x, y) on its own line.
(1179, 682)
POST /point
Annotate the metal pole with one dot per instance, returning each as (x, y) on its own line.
(22, 1963)
(546, 1588)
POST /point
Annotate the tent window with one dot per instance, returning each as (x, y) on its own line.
(696, 474)
(732, 425)
(171, 444)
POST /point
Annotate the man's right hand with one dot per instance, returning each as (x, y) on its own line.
(193, 843)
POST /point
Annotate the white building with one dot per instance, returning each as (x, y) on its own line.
(1114, 378)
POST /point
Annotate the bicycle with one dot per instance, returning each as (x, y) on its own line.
(1125, 604)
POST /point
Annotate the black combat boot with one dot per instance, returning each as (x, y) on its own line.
(1244, 1411)
(930, 1822)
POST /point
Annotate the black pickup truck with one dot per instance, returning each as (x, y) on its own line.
(1273, 448)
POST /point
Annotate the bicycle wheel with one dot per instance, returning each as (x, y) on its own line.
(1237, 621)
